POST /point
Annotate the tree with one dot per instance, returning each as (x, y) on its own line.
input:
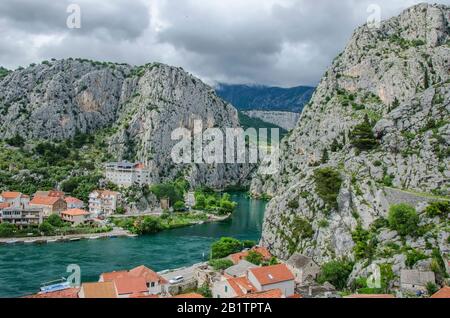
(248, 244)
(431, 288)
(325, 156)
(328, 184)
(254, 258)
(16, 141)
(220, 264)
(336, 273)
(224, 247)
(179, 206)
(438, 208)
(55, 220)
(149, 225)
(226, 205)
(403, 218)
(7, 229)
(200, 201)
(205, 291)
(362, 136)
(46, 228)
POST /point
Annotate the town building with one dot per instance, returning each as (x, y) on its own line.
(232, 287)
(126, 174)
(22, 217)
(416, 280)
(76, 216)
(15, 199)
(237, 257)
(98, 290)
(74, 203)
(239, 269)
(51, 193)
(304, 268)
(274, 293)
(156, 284)
(128, 285)
(103, 202)
(273, 277)
(49, 205)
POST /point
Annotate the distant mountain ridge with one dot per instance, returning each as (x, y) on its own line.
(258, 97)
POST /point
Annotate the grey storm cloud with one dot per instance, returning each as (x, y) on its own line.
(273, 42)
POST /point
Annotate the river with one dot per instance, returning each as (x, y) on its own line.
(24, 267)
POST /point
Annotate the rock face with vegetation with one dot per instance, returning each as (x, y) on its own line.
(136, 108)
(375, 136)
(285, 120)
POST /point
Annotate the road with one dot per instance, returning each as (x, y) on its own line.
(186, 272)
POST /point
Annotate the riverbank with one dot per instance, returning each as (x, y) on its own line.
(116, 232)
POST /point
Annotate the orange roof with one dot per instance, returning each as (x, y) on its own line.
(73, 200)
(109, 277)
(237, 257)
(370, 296)
(75, 212)
(44, 200)
(190, 295)
(56, 194)
(148, 274)
(241, 285)
(11, 195)
(126, 285)
(4, 205)
(99, 290)
(443, 293)
(66, 293)
(139, 165)
(295, 296)
(272, 274)
(143, 295)
(274, 293)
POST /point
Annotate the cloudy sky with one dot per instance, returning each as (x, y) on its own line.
(273, 42)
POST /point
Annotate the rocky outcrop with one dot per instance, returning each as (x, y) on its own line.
(285, 120)
(396, 79)
(139, 107)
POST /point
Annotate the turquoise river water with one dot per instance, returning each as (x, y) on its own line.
(24, 267)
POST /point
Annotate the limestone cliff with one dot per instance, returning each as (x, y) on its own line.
(396, 80)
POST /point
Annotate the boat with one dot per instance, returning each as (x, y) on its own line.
(52, 240)
(54, 286)
(132, 235)
(74, 239)
(30, 241)
(12, 242)
(94, 237)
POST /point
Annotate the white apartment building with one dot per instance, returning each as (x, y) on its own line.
(21, 216)
(126, 174)
(103, 202)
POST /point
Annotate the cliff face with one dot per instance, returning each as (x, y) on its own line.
(285, 120)
(140, 106)
(395, 79)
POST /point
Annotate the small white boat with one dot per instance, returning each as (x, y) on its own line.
(12, 242)
(94, 237)
(52, 241)
(132, 235)
(75, 239)
(31, 241)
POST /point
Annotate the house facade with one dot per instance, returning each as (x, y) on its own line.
(103, 202)
(232, 287)
(14, 199)
(74, 203)
(126, 174)
(75, 216)
(416, 280)
(22, 217)
(49, 205)
(273, 277)
(304, 268)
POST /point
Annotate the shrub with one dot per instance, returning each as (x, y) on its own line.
(293, 204)
(16, 141)
(224, 247)
(149, 225)
(46, 228)
(438, 208)
(362, 136)
(336, 273)
(301, 228)
(179, 206)
(205, 291)
(254, 258)
(414, 256)
(431, 288)
(55, 220)
(403, 218)
(220, 264)
(328, 184)
(7, 229)
(365, 244)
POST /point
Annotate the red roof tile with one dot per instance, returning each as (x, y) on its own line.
(127, 285)
(44, 200)
(274, 293)
(10, 195)
(73, 200)
(443, 293)
(4, 205)
(190, 295)
(148, 274)
(108, 277)
(272, 274)
(241, 285)
(75, 212)
(66, 293)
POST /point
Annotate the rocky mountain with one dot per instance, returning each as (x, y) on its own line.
(258, 97)
(376, 133)
(140, 107)
(285, 120)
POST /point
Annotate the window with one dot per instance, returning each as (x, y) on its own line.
(226, 289)
(153, 284)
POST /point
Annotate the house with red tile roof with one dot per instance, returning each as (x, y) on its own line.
(74, 203)
(189, 296)
(103, 202)
(444, 292)
(109, 277)
(76, 216)
(273, 277)
(128, 285)
(237, 257)
(49, 205)
(231, 287)
(65, 293)
(98, 290)
(15, 199)
(274, 293)
(156, 284)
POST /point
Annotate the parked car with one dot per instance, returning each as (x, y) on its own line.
(176, 280)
